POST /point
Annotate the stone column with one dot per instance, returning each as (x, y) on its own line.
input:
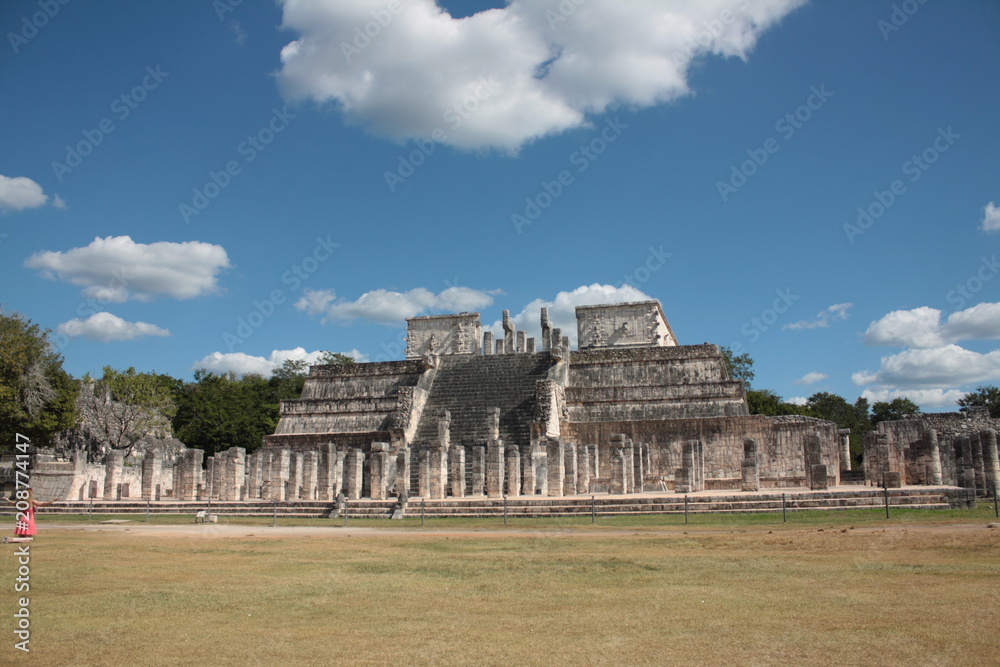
(595, 461)
(294, 486)
(691, 475)
(967, 471)
(508, 333)
(152, 469)
(845, 448)
(556, 466)
(495, 468)
(403, 473)
(488, 344)
(546, 330)
(934, 474)
(424, 472)
(629, 462)
(236, 471)
(310, 475)
(530, 346)
(512, 480)
(569, 469)
(583, 469)
(528, 472)
(521, 342)
(378, 468)
(190, 468)
(478, 470)
(751, 475)
(438, 467)
(282, 465)
(618, 478)
(264, 466)
(326, 462)
(540, 466)
(638, 467)
(991, 461)
(353, 473)
(457, 461)
(815, 469)
(113, 464)
(977, 462)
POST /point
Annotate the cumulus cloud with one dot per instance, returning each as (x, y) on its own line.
(20, 192)
(106, 327)
(115, 269)
(811, 378)
(926, 398)
(504, 77)
(946, 366)
(922, 327)
(239, 363)
(798, 400)
(562, 309)
(991, 218)
(390, 307)
(837, 311)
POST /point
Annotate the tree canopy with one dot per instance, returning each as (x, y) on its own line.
(740, 366)
(987, 396)
(37, 397)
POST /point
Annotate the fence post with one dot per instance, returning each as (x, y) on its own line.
(784, 513)
(147, 510)
(274, 523)
(886, 490)
(505, 510)
(593, 510)
(422, 501)
(685, 509)
(347, 510)
(996, 510)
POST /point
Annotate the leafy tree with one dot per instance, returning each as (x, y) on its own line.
(334, 358)
(987, 396)
(123, 407)
(216, 412)
(766, 402)
(893, 410)
(740, 366)
(37, 397)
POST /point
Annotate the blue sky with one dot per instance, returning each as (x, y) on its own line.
(226, 185)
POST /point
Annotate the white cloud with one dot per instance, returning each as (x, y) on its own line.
(798, 400)
(837, 311)
(925, 398)
(811, 378)
(239, 363)
(115, 269)
(389, 307)
(20, 192)
(946, 366)
(922, 327)
(991, 218)
(59, 203)
(504, 77)
(107, 327)
(562, 309)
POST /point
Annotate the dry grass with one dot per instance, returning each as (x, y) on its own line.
(919, 595)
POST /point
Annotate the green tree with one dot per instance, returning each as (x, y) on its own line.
(987, 396)
(740, 366)
(766, 402)
(123, 407)
(37, 397)
(893, 410)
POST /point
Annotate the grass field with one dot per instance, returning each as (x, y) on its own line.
(826, 588)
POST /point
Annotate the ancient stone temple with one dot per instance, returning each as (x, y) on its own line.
(470, 414)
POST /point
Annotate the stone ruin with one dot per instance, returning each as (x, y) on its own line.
(469, 414)
(950, 448)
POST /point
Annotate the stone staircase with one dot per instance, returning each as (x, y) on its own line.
(469, 385)
(871, 498)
